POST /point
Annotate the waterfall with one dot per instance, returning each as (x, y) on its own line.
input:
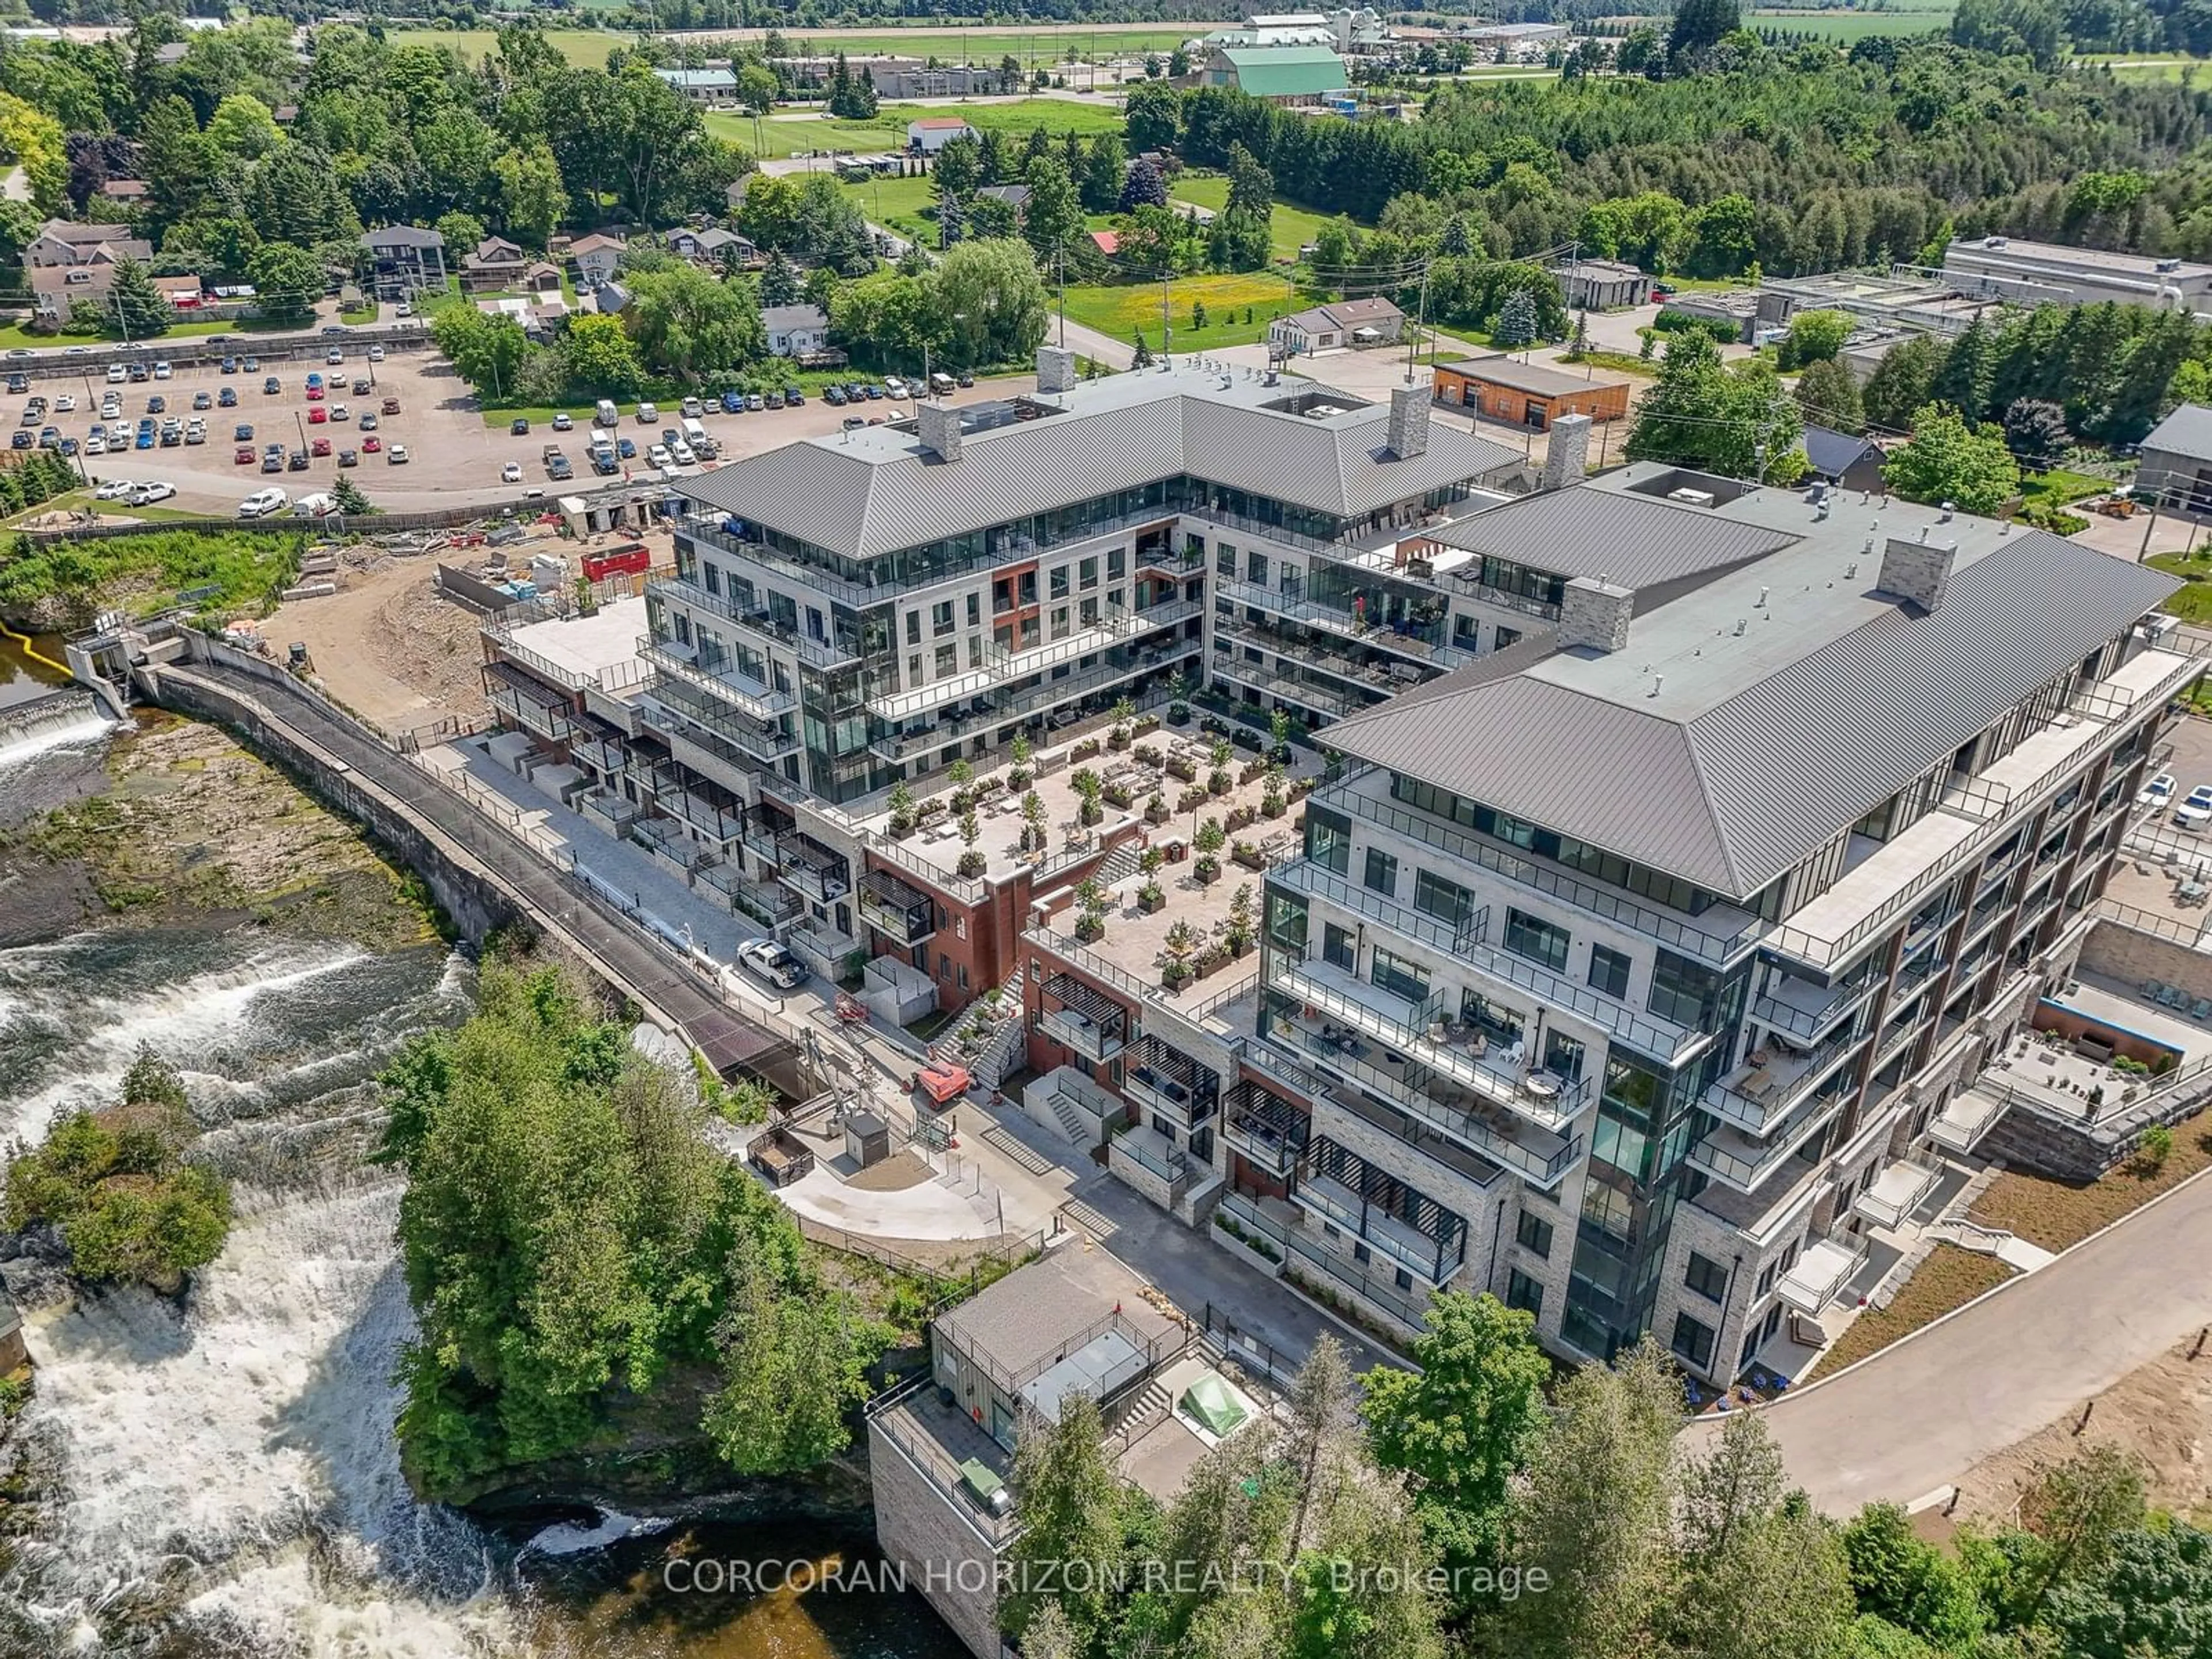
(57, 720)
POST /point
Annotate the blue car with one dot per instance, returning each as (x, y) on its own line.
(626, 449)
(145, 440)
(734, 403)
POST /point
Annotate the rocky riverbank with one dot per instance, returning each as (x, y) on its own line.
(186, 829)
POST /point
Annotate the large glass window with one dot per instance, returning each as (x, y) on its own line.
(1537, 939)
(1608, 971)
(1329, 838)
(1447, 900)
(1693, 1341)
(1286, 921)
(1524, 1292)
(1382, 871)
(1706, 1276)
(1338, 949)
(1534, 1234)
(1400, 976)
(1683, 990)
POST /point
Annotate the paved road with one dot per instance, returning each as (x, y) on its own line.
(1919, 1415)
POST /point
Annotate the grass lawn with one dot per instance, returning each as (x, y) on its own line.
(583, 48)
(2192, 603)
(1120, 310)
(588, 48)
(1289, 229)
(788, 135)
(2146, 65)
(2054, 1214)
(1850, 26)
(1950, 1278)
(907, 205)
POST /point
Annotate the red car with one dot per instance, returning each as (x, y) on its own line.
(314, 394)
(371, 444)
(318, 416)
(320, 448)
(244, 455)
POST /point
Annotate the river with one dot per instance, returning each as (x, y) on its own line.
(217, 1476)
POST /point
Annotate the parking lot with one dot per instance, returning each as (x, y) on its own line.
(454, 455)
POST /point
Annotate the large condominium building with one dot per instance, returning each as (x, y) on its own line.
(1637, 971)
(856, 611)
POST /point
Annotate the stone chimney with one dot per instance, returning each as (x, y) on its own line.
(940, 430)
(1568, 454)
(1917, 570)
(1409, 421)
(1594, 615)
(1055, 368)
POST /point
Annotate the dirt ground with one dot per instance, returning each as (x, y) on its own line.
(388, 645)
(2161, 1413)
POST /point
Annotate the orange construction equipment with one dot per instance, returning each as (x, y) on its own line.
(943, 1080)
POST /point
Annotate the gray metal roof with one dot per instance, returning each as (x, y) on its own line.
(1636, 541)
(2187, 433)
(1727, 757)
(1834, 454)
(1500, 370)
(877, 490)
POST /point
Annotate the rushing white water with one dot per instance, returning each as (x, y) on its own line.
(78, 734)
(225, 1473)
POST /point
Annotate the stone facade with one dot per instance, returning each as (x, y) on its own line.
(1567, 456)
(1918, 571)
(2131, 956)
(1055, 369)
(1595, 616)
(948, 1560)
(1409, 421)
(940, 429)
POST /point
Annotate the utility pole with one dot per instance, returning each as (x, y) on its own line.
(1060, 278)
(1167, 320)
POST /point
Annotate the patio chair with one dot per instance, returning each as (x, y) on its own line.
(2201, 1009)
(2151, 987)
(2175, 997)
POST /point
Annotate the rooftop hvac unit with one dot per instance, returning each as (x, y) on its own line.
(1690, 497)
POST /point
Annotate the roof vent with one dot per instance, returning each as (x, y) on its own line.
(1657, 680)
(1738, 626)
(1947, 511)
(1760, 603)
(1690, 497)
(1851, 570)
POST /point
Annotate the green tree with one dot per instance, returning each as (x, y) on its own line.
(1070, 1504)
(2079, 1507)
(959, 170)
(2149, 1599)
(1053, 216)
(462, 232)
(243, 129)
(1463, 1424)
(1516, 321)
(1153, 115)
(1902, 381)
(2035, 432)
(1814, 337)
(1730, 420)
(1969, 372)
(1105, 166)
(286, 281)
(346, 495)
(601, 358)
(686, 323)
(756, 87)
(1827, 395)
(134, 305)
(1596, 1514)
(1900, 1578)
(778, 281)
(532, 197)
(487, 351)
(992, 303)
(1762, 1574)
(1948, 460)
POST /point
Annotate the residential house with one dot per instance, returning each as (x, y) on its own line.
(703, 85)
(1016, 196)
(714, 246)
(67, 262)
(1838, 458)
(495, 264)
(408, 260)
(182, 292)
(1602, 284)
(1500, 388)
(2174, 474)
(596, 256)
(932, 133)
(795, 331)
(125, 190)
(1108, 242)
(1335, 326)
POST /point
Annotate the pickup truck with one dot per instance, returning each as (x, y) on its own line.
(556, 464)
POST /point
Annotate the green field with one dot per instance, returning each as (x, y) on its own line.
(1838, 24)
(898, 204)
(585, 48)
(1120, 310)
(2147, 65)
(1289, 229)
(793, 135)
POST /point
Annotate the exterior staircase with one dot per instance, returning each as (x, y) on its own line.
(1070, 1120)
(1118, 865)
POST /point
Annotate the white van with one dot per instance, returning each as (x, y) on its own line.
(942, 384)
(606, 414)
(262, 502)
(695, 433)
(313, 506)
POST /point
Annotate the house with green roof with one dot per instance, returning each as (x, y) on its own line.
(1282, 75)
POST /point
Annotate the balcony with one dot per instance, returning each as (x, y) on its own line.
(716, 676)
(1453, 935)
(1748, 1162)
(1003, 709)
(769, 905)
(1540, 1158)
(1269, 684)
(1426, 1157)
(746, 740)
(711, 810)
(610, 813)
(1087, 1022)
(1000, 667)
(597, 745)
(713, 530)
(1267, 1131)
(1150, 1161)
(1345, 623)
(1410, 1028)
(1897, 1191)
(1381, 1211)
(528, 703)
(1802, 1012)
(765, 827)
(1761, 1092)
(1340, 1275)
(899, 913)
(1377, 678)
(1822, 1271)
(811, 870)
(1716, 946)
(668, 844)
(1165, 1080)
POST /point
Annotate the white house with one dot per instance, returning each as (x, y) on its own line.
(1332, 327)
(795, 331)
(596, 257)
(933, 133)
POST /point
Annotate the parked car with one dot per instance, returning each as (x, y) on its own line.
(376, 352)
(511, 473)
(625, 448)
(115, 490)
(230, 365)
(834, 396)
(22, 440)
(243, 432)
(793, 397)
(227, 398)
(314, 380)
(368, 422)
(967, 379)
(341, 412)
(243, 455)
(157, 405)
(775, 400)
(734, 403)
(648, 414)
(2157, 792)
(681, 453)
(563, 422)
(162, 371)
(147, 493)
(895, 386)
(349, 458)
(362, 385)
(203, 400)
(395, 456)
(117, 374)
(296, 461)
(657, 455)
(96, 442)
(392, 405)
(318, 416)
(519, 427)
(251, 365)
(2193, 813)
(768, 960)
(319, 448)
(371, 444)
(314, 394)
(271, 386)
